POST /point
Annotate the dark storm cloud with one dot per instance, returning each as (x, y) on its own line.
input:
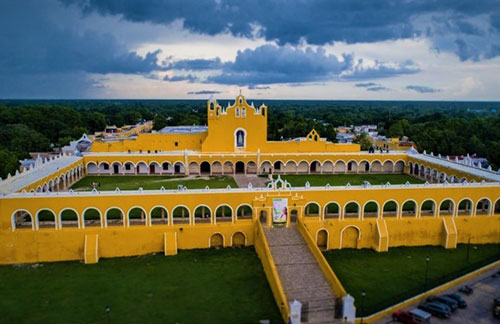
(321, 21)
(38, 46)
(196, 65)
(422, 89)
(270, 64)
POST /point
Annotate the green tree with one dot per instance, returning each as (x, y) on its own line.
(159, 122)
(363, 140)
(9, 163)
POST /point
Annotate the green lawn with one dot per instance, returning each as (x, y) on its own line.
(152, 182)
(391, 277)
(342, 179)
(196, 286)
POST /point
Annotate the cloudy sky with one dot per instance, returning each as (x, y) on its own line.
(308, 49)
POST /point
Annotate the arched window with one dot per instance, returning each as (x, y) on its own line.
(243, 112)
(240, 138)
(237, 112)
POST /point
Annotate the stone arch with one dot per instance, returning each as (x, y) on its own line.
(239, 239)
(291, 166)
(179, 168)
(339, 167)
(409, 208)
(322, 239)
(352, 166)
(158, 215)
(294, 215)
(251, 167)
(364, 167)
(239, 167)
(465, 207)
(447, 208)
(216, 167)
(371, 209)
(278, 166)
(22, 219)
(416, 169)
(68, 217)
(315, 167)
(442, 177)
(352, 210)
(46, 218)
(129, 167)
(166, 167)
(194, 168)
(154, 168)
(228, 167)
(114, 216)
(137, 216)
(376, 166)
(116, 167)
(265, 167)
(180, 215)
(244, 211)
(410, 167)
(216, 240)
(388, 166)
(428, 208)
(92, 168)
(202, 214)
(303, 167)
(223, 213)
(390, 209)
(142, 168)
(91, 217)
(496, 209)
(483, 207)
(399, 166)
(312, 209)
(327, 166)
(205, 168)
(434, 175)
(349, 237)
(104, 167)
(453, 179)
(263, 217)
(332, 210)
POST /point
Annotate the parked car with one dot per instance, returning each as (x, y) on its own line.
(461, 302)
(414, 316)
(466, 290)
(496, 307)
(450, 302)
(436, 309)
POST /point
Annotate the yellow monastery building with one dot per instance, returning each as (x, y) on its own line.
(457, 202)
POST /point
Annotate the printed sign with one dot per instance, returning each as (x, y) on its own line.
(280, 210)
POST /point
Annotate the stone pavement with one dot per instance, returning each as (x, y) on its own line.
(300, 274)
(242, 180)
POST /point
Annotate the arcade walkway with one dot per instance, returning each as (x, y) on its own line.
(300, 275)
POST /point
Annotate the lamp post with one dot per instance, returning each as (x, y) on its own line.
(108, 309)
(363, 294)
(427, 259)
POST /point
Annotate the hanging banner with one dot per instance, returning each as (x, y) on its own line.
(280, 210)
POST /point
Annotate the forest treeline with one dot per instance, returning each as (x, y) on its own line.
(441, 127)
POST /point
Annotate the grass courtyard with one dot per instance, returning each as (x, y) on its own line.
(391, 277)
(152, 182)
(354, 179)
(196, 286)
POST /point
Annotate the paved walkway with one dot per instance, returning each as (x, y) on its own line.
(243, 180)
(300, 275)
(479, 304)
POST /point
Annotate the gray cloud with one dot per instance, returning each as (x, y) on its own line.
(203, 92)
(377, 88)
(176, 78)
(255, 87)
(196, 65)
(322, 22)
(422, 89)
(365, 85)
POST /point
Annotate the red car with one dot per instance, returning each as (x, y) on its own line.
(414, 316)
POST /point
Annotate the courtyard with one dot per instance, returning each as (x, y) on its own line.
(391, 277)
(195, 286)
(353, 179)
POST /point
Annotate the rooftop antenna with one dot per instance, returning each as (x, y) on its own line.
(240, 92)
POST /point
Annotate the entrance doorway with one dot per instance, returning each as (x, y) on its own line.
(293, 216)
(151, 168)
(240, 167)
(263, 217)
(115, 169)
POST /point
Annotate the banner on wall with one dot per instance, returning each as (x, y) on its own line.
(280, 210)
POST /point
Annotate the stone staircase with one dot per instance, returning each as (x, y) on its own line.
(300, 275)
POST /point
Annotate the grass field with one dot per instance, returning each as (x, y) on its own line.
(152, 182)
(196, 286)
(342, 179)
(391, 277)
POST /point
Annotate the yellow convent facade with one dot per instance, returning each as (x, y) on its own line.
(458, 202)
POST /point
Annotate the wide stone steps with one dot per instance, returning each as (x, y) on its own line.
(300, 275)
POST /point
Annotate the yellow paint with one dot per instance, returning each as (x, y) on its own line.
(91, 249)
